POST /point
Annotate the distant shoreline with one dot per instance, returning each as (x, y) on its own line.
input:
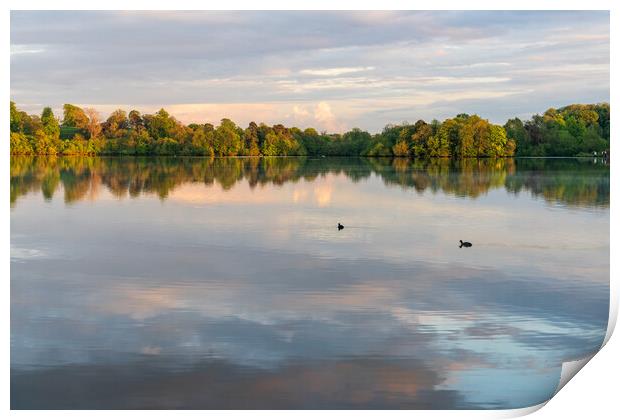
(573, 130)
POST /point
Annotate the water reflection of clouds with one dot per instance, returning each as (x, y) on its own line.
(24, 254)
(420, 226)
(318, 193)
(334, 291)
(257, 292)
(218, 384)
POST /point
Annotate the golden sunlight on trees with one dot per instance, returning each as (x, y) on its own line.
(93, 126)
(568, 131)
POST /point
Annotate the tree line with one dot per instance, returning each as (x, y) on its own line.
(568, 131)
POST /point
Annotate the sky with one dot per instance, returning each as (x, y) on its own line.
(328, 70)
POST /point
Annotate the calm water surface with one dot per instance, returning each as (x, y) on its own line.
(199, 283)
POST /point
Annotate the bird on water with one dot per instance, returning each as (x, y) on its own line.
(464, 244)
(340, 227)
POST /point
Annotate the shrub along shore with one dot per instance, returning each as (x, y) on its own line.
(568, 131)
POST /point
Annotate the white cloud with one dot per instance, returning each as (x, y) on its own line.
(300, 112)
(333, 72)
(370, 68)
(324, 115)
(26, 49)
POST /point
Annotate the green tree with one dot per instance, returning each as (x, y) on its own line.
(201, 144)
(74, 117)
(515, 130)
(419, 139)
(30, 123)
(160, 125)
(379, 149)
(571, 130)
(447, 134)
(167, 146)
(16, 119)
(50, 123)
(227, 141)
(116, 125)
(135, 120)
(44, 145)
(355, 142)
(465, 145)
(250, 138)
(20, 145)
(497, 141)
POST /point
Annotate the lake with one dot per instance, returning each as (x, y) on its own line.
(197, 283)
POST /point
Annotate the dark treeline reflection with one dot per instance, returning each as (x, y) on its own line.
(574, 182)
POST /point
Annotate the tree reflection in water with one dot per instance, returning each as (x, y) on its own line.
(571, 182)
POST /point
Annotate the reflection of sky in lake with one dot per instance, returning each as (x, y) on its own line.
(251, 298)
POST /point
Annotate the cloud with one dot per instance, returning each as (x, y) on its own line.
(319, 115)
(335, 71)
(300, 112)
(323, 114)
(274, 61)
(21, 49)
